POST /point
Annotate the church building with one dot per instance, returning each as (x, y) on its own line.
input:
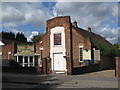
(65, 46)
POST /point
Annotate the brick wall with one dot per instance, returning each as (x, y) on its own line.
(44, 65)
(72, 42)
(117, 66)
(58, 21)
(77, 40)
(37, 48)
(65, 22)
(8, 48)
(69, 66)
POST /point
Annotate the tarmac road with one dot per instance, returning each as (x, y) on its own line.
(91, 80)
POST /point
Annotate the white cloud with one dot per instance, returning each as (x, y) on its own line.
(113, 40)
(15, 31)
(9, 25)
(115, 11)
(10, 13)
(109, 33)
(25, 13)
(21, 0)
(87, 0)
(93, 14)
(85, 13)
(60, 0)
(33, 33)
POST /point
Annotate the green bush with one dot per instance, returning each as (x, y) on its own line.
(107, 50)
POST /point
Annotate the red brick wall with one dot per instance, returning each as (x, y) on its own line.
(78, 40)
(69, 66)
(8, 48)
(66, 23)
(37, 47)
(44, 66)
(71, 45)
(117, 66)
(58, 21)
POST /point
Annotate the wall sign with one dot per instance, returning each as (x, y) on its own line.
(96, 54)
(25, 49)
(86, 54)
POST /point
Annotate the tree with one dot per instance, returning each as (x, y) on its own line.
(117, 46)
(118, 49)
(107, 50)
(20, 37)
(8, 35)
(12, 36)
(38, 37)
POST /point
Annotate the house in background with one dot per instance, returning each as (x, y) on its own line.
(22, 53)
(8, 49)
(65, 46)
(26, 55)
(1, 44)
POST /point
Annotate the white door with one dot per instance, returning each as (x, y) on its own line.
(59, 62)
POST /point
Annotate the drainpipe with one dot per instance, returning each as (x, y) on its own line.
(71, 49)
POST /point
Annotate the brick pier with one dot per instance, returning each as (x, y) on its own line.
(117, 66)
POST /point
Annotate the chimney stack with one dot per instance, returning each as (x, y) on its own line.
(75, 23)
(89, 29)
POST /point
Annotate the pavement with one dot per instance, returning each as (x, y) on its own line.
(101, 79)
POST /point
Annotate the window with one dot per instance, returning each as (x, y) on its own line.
(31, 59)
(20, 59)
(57, 39)
(26, 59)
(41, 54)
(81, 53)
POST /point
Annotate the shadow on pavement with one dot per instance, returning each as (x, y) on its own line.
(20, 81)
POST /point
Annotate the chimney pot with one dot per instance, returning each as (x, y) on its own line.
(75, 23)
(89, 29)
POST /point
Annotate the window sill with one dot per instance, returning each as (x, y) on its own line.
(57, 45)
(81, 61)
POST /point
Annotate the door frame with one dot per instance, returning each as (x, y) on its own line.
(53, 60)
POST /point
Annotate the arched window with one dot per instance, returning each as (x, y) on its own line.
(81, 53)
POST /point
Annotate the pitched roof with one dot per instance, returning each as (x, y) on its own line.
(94, 37)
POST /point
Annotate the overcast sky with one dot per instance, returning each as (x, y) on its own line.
(26, 17)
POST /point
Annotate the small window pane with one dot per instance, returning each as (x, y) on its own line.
(81, 54)
(57, 39)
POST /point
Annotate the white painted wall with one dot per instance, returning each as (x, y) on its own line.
(57, 48)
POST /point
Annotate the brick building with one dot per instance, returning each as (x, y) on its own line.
(8, 49)
(66, 46)
(22, 53)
